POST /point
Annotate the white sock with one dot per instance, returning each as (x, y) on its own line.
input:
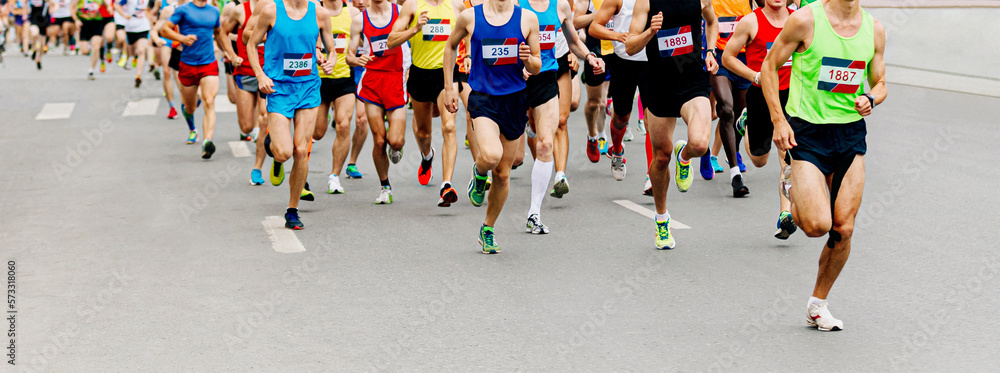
(91, 70)
(602, 135)
(591, 138)
(541, 172)
(429, 156)
(663, 217)
(445, 184)
(816, 301)
(255, 131)
(733, 172)
(560, 175)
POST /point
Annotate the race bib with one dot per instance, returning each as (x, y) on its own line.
(498, 52)
(436, 30)
(611, 24)
(547, 37)
(787, 63)
(727, 25)
(841, 76)
(340, 43)
(675, 42)
(298, 64)
(380, 43)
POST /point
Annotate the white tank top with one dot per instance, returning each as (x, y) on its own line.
(621, 22)
(63, 11)
(562, 47)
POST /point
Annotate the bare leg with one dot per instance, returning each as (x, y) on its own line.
(305, 122)
(209, 88)
(343, 107)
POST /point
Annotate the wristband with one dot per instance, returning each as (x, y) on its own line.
(756, 79)
(712, 51)
(871, 99)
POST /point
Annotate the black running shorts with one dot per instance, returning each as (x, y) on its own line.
(828, 146)
(425, 85)
(760, 129)
(541, 88)
(626, 77)
(332, 89)
(509, 112)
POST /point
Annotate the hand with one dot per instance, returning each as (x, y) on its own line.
(863, 105)
(525, 73)
(711, 65)
(363, 60)
(451, 99)
(784, 137)
(596, 63)
(264, 84)
(79, 24)
(656, 22)
(468, 63)
(188, 39)
(328, 65)
(523, 52)
(235, 60)
(622, 37)
(158, 42)
(422, 20)
(574, 62)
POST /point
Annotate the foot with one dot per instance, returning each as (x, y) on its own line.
(716, 166)
(90, 76)
(489, 182)
(395, 155)
(607, 108)
(256, 177)
(535, 226)
(384, 196)
(705, 166)
(664, 239)
(424, 173)
(333, 185)
(602, 145)
(307, 195)
(641, 127)
(818, 315)
(292, 221)
(253, 134)
(245, 137)
(786, 181)
(207, 149)
(741, 123)
(138, 81)
(515, 166)
(739, 190)
(466, 141)
(192, 137)
(487, 241)
(628, 135)
(682, 174)
(786, 226)
(561, 187)
(277, 173)
(156, 74)
(593, 151)
(448, 196)
(739, 162)
(352, 172)
(104, 68)
(618, 166)
(647, 189)
(477, 188)
(172, 114)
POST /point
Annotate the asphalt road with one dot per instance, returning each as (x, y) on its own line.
(134, 254)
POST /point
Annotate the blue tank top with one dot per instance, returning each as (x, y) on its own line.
(496, 68)
(548, 26)
(289, 52)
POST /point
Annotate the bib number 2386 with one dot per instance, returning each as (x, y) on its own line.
(298, 64)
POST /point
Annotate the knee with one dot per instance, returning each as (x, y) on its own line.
(844, 229)
(814, 226)
(448, 128)
(697, 146)
(543, 145)
(396, 142)
(343, 128)
(489, 158)
(501, 178)
(379, 143)
(759, 161)
(724, 111)
(301, 152)
(280, 154)
(661, 158)
(421, 133)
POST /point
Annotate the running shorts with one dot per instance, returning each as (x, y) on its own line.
(92, 28)
(760, 129)
(246, 82)
(119, 27)
(830, 147)
(38, 18)
(61, 21)
(541, 88)
(383, 88)
(289, 97)
(564, 67)
(332, 89)
(190, 75)
(739, 82)
(133, 37)
(626, 77)
(664, 90)
(509, 112)
(175, 59)
(425, 85)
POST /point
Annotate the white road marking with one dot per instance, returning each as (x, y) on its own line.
(146, 106)
(222, 104)
(283, 240)
(674, 224)
(942, 81)
(239, 148)
(56, 110)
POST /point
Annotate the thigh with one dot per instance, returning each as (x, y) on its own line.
(660, 131)
(809, 192)
(279, 129)
(697, 114)
(546, 117)
(375, 114)
(397, 123)
(305, 124)
(487, 134)
(565, 95)
(209, 87)
(849, 195)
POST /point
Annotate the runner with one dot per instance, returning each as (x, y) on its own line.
(461, 80)
(426, 24)
(91, 16)
(121, 38)
(251, 112)
(835, 45)
(627, 72)
(381, 87)
(337, 93)
(290, 80)
(677, 86)
(198, 28)
(542, 92)
(498, 101)
(226, 8)
(757, 33)
(136, 32)
(39, 18)
(20, 10)
(62, 26)
(595, 109)
(566, 76)
(163, 47)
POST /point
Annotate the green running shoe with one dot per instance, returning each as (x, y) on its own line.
(786, 226)
(277, 173)
(307, 195)
(486, 239)
(477, 188)
(682, 175)
(192, 137)
(741, 123)
(664, 240)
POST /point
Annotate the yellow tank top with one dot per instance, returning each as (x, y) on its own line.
(606, 46)
(341, 26)
(427, 46)
(730, 12)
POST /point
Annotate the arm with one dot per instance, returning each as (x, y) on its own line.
(121, 10)
(326, 35)
(400, 31)
(352, 58)
(797, 29)
(573, 39)
(530, 54)
(169, 33)
(230, 18)
(459, 33)
(265, 18)
(580, 17)
(638, 34)
(876, 75)
(740, 38)
(222, 40)
(711, 35)
(597, 29)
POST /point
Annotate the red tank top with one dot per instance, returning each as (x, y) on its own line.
(761, 44)
(241, 47)
(377, 39)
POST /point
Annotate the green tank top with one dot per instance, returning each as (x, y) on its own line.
(831, 74)
(805, 3)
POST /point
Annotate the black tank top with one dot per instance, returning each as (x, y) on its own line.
(677, 46)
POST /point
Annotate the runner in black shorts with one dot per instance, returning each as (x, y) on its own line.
(595, 109)
(92, 16)
(39, 19)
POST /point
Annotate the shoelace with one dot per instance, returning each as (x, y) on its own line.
(488, 237)
(662, 231)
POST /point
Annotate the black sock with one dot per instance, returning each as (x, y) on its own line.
(385, 182)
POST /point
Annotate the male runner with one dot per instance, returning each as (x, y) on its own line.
(595, 109)
(360, 116)
(426, 24)
(503, 43)
(163, 49)
(119, 39)
(91, 16)
(62, 26)
(39, 18)
(198, 27)
(756, 33)
(289, 78)
(566, 75)
(677, 86)
(381, 87)
(337, 93)
(835, 45)
(136, 32)
(542, 92)
(250, 111)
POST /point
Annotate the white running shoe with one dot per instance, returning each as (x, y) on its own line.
(535, 226)
(618, 166)
(254, 133)
(333, 185)
(820, 317)
(647, 190)
(395, 155)
(628, 135)
(641, 127)
(384, 197)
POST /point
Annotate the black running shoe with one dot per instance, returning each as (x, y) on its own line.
(292, 220)
(739, 190)
(207, 150)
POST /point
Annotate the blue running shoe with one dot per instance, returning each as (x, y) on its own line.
(352, 172)
(292, 220)
(739, 162)
(256, 177)
(707, 172)
(715, 165)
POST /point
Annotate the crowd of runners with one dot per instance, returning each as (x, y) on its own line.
(788, 73)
